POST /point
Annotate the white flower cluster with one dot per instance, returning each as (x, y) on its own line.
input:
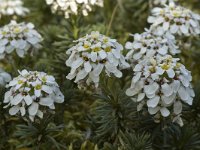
(72, 6)
(162, 2)
(32, 92)
(4, 77)
(150, 43)
(12, 7)
(20, 37)
(94, 54)
(162, 84)
(176, 19)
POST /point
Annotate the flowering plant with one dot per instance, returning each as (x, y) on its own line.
(150, 43)
(94, 54)
(20, 37)
(159, 83)
(72, 6)
(31, 92)
(12, 7)
(175, 19)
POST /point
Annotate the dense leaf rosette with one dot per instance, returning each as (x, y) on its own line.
(162, 84)
(94, 54)
(12, 7)
(72, 6)
(176, 19)
(150, 43)
(33, 92)
(20, 37)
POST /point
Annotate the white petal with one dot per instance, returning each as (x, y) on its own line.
(47, 101)
(166, 26)
(47, 89)
(138, 67)
(166, 89)
(168, 100)
(140, 106)
(129, 45)
(153, 111)
(170, 73)
(102, 54)
(93, 56)
(37, 93)
(131, 92)
(33, 108)
(184, 29)
(140, 97)
(153, 102)
(165, 112)
(17, 99)
(98, 69)
(14, 110)
(87, 66)
(23, 111)
(174, 28)
(175, 85)
(177, 107)
(40, 114)
(77, 63)
(81, 75)
(151, 89)
(7, 96)
(28, 99)
(118, 74)
(183, 93)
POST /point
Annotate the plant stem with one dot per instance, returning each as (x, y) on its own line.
(112, 18)
(164, 133)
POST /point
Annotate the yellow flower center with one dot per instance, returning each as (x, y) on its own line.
(17, 30)
(44, 79)
(176, 13)
(20, 81)
(178, 65)
(26, 30)
(86, 45)
(105, 40)
(4, 33)
(152, 69)
(38, 87)
(96, 49)
(108, 49)
(165, 66)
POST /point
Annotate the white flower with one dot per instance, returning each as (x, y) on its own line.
(19, 37)
(150, 43)
(12, 7)
(176, 19)
(162, 84)
(4, 77)
(31, 92)
(94, 54)
(72, 6)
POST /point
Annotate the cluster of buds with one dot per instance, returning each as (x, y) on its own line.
(32, 92)
(94, 54)
(72, 6)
